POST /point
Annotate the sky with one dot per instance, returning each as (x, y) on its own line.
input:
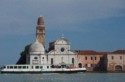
(88, 24)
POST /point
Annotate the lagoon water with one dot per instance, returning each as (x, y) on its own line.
(55, 77)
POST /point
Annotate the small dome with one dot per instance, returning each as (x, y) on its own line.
(36, 48)
(62, 41)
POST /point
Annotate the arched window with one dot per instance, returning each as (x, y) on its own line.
(73, 61)
(51, 60)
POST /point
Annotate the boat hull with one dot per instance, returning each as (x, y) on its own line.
(38, 69)
(38, 72)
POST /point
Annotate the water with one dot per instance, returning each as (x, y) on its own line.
(76, 77)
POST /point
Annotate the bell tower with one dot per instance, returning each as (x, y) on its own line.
(40, 31)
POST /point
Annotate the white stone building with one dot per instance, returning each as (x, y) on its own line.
(36, 54)
(58, 54)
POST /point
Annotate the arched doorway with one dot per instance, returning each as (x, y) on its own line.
(80, 65)
(118, 68)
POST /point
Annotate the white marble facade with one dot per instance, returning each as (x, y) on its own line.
(59, 54)
(59, 51)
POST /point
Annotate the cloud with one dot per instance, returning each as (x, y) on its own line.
(20, 16)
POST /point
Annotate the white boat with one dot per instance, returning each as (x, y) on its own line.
(39, 69)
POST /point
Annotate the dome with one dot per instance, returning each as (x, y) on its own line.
(36, 48)
(62, 41)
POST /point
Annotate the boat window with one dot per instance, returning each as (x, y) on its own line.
(15, 67)
(47, 66)
(7, 67)
(19, 67)
(24, 67)
(41, 67)
(11, 67)
(3, 67)
(32, 67)
(37, 67)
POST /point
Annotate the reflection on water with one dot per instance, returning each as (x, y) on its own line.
(55, 77)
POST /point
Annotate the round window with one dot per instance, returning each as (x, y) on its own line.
(62, 49)
(35, 57)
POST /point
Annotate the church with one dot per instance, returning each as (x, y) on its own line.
(59, 52)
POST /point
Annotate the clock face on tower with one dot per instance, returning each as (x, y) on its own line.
(62, 49)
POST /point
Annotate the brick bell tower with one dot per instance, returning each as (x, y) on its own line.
(40, 31)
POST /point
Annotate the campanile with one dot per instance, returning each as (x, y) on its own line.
(40, 31)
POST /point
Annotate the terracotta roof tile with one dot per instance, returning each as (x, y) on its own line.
(119, 52)
(90, 52)
(104, 53)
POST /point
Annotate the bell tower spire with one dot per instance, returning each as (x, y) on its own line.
(40, 31)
